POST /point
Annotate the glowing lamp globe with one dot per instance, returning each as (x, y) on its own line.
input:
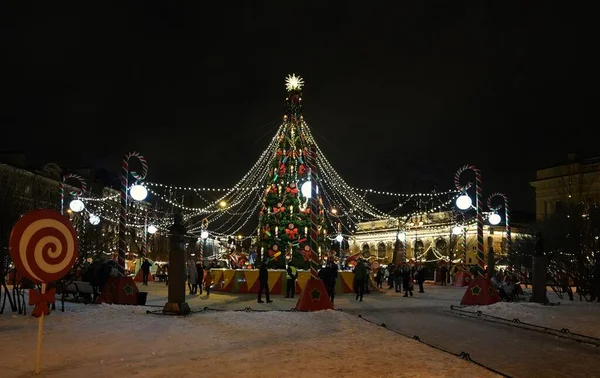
(76, 206)
(464, 202)
(94, 219)
(152, 229)
(457, 230)
(204, 234)
(401, 237)
(138, 192)
(495, 219)
(339, 238)
(306, 189)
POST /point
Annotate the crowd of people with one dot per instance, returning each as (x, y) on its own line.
(402, 278)
(508, 285)
(198, 277)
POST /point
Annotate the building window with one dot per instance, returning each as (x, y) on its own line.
(419, 248)
(381, 250)
(559, 207)
(441, 246)
(365, 250)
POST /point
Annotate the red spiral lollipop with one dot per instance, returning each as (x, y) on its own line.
(43, 246)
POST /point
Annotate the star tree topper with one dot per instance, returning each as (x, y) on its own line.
(293, 83)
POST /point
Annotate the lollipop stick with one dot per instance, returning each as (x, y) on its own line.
(40, 337)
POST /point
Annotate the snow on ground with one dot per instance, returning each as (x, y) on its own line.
(109, 341)
(105, 341)
(578, 317)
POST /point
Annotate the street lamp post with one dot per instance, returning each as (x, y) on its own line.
(495, 218)
(204, 237)
(459, 231)
(401, 240)
(137, 192)
(463, 202)
(150, 230)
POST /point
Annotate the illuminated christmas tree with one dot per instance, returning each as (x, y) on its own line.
(284, 221)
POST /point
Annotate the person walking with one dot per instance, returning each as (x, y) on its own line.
(406, 278)
(453, 274)
(292, 276)
(330, 285)
(421, 278)
(208, 279)
(192, 274)
(360, 278)
(444, 274)
(398, 279)
(166, 273)
(389, 274)
(200, 270)
(263, 281)
(145, 271)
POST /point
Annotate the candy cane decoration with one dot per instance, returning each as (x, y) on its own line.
(464, 249)
(402, 251)
(506, 216)
(145, 236)
(61, 188)
(478, 209)
(123, 213)
(314, 209)
(457, 183)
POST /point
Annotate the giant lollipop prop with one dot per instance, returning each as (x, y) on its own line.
(43, 247)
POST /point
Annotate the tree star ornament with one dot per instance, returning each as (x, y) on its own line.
(293, 83)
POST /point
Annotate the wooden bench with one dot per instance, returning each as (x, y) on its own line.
(80, 290)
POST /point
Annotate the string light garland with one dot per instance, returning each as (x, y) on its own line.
(337, 183)
(379, 192)
(200, 189)
(111, 197)
(231, 212)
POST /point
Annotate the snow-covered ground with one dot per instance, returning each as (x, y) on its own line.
(106, 341)
(110, 341)
(578, 317)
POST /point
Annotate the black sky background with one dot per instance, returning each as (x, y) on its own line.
(421, 87)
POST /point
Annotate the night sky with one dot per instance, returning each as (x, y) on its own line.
(398, 95)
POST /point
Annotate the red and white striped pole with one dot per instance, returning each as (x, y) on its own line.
(478, 209)
(314, 211)
(61, 188)
(123, 209)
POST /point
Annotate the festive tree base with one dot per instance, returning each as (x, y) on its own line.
(119, 290)
(176, 308)
(481, 292)
(314, 297)
(462, 279)
(139, 277)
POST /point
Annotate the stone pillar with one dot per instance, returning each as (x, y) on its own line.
(176, 303)
(538, 269)
(538, 284)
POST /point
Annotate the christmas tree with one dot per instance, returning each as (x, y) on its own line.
(284, 219)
